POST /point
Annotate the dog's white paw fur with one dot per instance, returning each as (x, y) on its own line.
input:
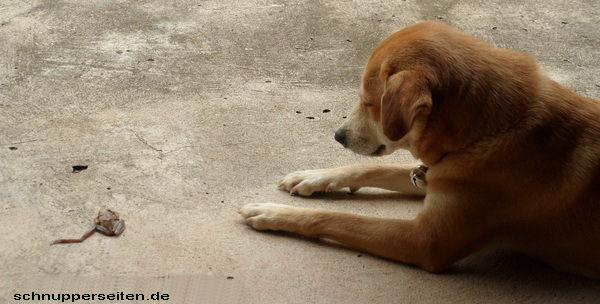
(307, 182)
(268, 216)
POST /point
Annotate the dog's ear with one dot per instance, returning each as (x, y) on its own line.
(406, 96)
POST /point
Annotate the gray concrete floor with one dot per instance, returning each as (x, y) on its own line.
(186, 110)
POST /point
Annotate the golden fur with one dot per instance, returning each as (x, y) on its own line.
(513, 156)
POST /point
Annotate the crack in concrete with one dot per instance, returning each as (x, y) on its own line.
(142, 140)
(161, 153)
(22, 142)
(177, 149)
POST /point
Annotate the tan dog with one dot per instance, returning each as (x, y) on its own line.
(513, 157)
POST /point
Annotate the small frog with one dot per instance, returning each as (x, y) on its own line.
(107, 222)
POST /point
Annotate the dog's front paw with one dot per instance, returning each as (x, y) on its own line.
(307, 182)
(269, 216)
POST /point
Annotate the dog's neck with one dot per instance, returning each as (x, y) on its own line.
(466, 110)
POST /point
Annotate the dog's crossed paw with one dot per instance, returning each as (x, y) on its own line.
(309, 182)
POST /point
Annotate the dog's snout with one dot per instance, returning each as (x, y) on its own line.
(340, 136)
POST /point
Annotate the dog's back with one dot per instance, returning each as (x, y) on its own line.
(568, 143)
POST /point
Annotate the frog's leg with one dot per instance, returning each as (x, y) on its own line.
(117, 228)
(86, 235)
(103, 230)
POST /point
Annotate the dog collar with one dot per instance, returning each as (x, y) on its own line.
(417, 176)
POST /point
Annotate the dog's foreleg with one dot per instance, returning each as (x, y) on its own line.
(427, 241)
(390, 177)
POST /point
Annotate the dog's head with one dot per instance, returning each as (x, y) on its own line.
(432, 89)
(389, 114)
(395, 100)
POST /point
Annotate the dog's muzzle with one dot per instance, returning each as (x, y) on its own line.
(379, 150)
(340, 136)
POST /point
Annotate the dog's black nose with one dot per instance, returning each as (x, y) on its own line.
(340, 136)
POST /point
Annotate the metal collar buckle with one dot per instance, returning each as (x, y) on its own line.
(417, 176)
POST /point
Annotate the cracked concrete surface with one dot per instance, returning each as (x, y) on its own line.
(186, 110)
